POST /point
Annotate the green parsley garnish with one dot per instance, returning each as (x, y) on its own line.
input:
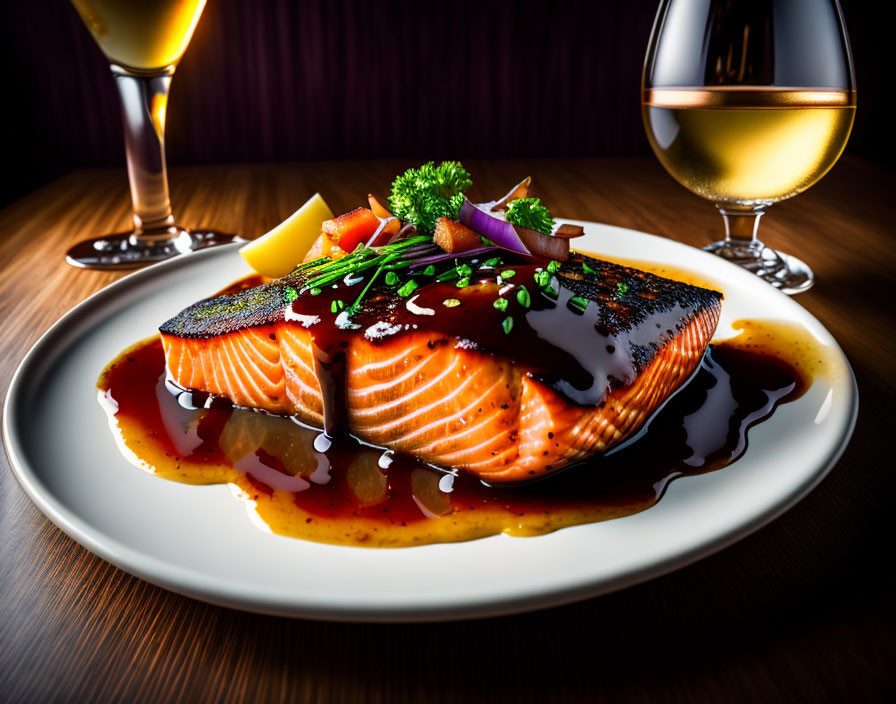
(522, 297)
(408, 288)
(578, 304)
(508, 274)
(587, 270)
(507, 324)
(500, 303)
(421, 196)
(542, 278)
(553, 267)
(621, 289)
(290, 294)
(451, 303)
(530, 213)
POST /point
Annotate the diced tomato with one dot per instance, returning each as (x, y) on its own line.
(351, 228)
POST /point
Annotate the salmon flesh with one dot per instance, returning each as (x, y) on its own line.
(441, 375)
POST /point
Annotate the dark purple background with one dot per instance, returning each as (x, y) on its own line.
(278, 80)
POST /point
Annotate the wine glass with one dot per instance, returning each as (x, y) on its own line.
(746, 104)
(143, 40)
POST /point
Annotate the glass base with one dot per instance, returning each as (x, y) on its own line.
(124, 251)
(783, 271)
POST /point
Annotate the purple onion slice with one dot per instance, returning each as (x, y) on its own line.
(517, 239)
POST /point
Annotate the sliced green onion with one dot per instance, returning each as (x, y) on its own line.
(507, 324)
(523, 298)
(461, 283)
(508, 274)
(578, 304)
(392, 278)
(408, 288)
(500, 303)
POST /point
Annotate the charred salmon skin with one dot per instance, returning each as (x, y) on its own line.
(508, 371)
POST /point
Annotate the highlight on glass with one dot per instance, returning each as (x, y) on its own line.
(747, 104)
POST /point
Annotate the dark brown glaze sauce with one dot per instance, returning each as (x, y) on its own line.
(582, 327)
(297, 483)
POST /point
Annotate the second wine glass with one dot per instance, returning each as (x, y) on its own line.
(747, 104)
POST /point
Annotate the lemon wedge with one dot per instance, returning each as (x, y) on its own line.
(279, 251)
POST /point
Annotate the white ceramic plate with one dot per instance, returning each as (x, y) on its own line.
(197, 540)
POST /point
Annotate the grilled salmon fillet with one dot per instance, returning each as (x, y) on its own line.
(452, 386)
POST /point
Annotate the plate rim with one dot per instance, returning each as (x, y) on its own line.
(191, 583)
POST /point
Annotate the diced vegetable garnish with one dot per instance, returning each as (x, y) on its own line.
(352, 228)
(279, 251)
(378, 208)
(453, 237)
(520, 190)
(384, 233)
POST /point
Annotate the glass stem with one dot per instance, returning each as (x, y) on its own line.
(741, 226)
(143, 103)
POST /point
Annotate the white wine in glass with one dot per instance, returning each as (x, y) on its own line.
(143, 40)
(747, 104)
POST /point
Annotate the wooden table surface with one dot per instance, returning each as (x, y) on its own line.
(803, 609)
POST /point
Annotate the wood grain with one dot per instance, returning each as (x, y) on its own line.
(804, 609)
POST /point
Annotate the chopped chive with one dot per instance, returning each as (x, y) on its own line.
(523, 298)
(408, 288)
(578, 304)
(336, 306)
(447, 276)
(451, 303)
(553, 266)
(391, 278)
(463, 270)
(500, 303)
(507, 324)
(315, 291)
(461, 283)
(429, 271)
(621, 289)
(494, 261)
(508, 274)
(290, 294)
(552, 288)
(587, 270)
